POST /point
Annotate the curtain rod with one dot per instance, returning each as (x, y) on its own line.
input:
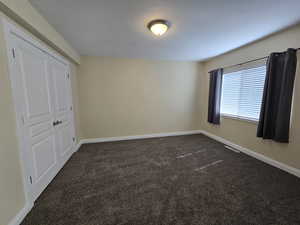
(253, 60)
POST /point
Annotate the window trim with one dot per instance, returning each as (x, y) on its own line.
(240, 118)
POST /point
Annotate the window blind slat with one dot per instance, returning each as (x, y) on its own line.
(242, 92)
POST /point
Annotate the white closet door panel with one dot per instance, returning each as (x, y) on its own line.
(35, 83)
(62, 110)
(42, 95)
(44, 156)
(66, 143)
(38, 114)
(41, 128)
(59, 72)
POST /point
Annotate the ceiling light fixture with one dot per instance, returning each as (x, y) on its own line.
(159, 27)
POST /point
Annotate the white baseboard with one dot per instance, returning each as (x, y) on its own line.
(249, 152)
(21, 215)
(123, 138)
(78, 145)
(256, 155)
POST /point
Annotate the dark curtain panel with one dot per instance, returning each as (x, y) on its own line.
(274, 121)
(214, 101)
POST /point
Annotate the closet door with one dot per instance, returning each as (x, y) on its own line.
(63, 113)
(35, 98)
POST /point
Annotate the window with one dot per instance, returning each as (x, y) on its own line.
(242, 93)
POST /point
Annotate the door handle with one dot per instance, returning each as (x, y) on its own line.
(57, 122)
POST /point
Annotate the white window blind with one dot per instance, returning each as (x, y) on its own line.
(242, 92)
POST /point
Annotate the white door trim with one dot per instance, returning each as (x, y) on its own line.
(11, 29)
(18, 114)
(22, 214)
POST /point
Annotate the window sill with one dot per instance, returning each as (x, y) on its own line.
(240, 118)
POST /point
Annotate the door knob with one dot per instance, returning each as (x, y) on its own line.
(57, 122)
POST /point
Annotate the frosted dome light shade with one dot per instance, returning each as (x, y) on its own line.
(158, 27)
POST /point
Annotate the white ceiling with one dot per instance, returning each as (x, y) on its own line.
(200, 28)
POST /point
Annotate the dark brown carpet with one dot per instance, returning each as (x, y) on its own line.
(184, 180)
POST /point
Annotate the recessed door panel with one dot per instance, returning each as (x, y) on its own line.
(65, 134)
(44, 156)
(62, 110)
(60, 78)
(35, 82)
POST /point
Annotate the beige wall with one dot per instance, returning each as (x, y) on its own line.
(24, 13)
(241, 132)
(120, 97)
(12, 198)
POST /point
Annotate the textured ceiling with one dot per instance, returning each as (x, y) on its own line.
(200, 28)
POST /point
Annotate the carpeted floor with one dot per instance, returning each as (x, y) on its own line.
(184, 180)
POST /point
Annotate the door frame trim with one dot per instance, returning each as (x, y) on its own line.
(10, 28)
